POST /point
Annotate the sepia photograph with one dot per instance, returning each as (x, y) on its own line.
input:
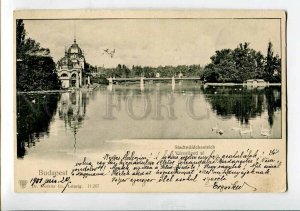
(89, 81)
(89, 87)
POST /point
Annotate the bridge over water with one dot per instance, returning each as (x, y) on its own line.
(142, 80)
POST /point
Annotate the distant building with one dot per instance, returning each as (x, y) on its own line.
(70, 68)
(255, 82)
(157, 75)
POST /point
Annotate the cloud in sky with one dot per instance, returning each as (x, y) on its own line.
(153, 42)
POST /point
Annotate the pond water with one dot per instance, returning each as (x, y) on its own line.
(62, 124)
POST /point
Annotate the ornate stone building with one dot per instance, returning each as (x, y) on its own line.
(70, 68)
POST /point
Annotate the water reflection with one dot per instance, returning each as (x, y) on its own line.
(34, 114)
(243, 102)
(72, 110)
(273, 101)
(77, 120)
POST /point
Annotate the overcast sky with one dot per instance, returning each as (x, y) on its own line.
(153, 42)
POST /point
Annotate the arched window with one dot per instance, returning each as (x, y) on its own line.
(64, 75)
(74, 75)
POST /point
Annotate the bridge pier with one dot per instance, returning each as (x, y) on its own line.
(173, 83)
(142, 83)
(110, 80)
(143, 80)
(110, 87)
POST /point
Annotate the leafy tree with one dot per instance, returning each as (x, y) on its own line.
(241, 64)
(35, 66)
(137, 71)
(37, 73)
(244, 62)
(125, 71)
(20, 37)
(88, 69)
(100, 79)
(273, 66)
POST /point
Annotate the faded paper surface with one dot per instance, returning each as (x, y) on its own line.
(160, 132)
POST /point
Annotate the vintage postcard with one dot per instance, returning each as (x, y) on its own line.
(150, 101)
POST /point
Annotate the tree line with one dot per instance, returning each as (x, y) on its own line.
(227, 65)
(241, 64)
(123, 71)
